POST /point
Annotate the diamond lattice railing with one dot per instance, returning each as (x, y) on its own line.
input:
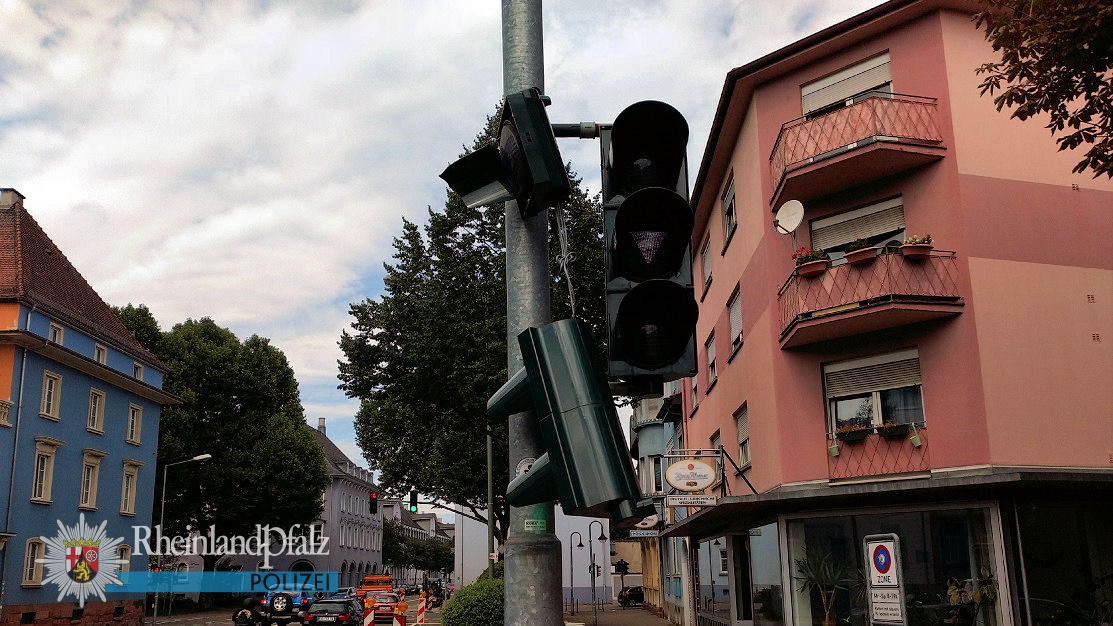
(889, 275)
(877, 456)
(909, 119)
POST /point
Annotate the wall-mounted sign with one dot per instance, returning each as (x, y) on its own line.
(692, 500)
(692, 474)
(642, 533)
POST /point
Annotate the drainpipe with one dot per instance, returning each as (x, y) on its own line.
(15, 455)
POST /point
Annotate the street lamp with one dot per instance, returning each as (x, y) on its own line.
(572, 570)
(591, 568)
(162, 515)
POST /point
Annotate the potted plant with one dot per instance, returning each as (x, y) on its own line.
(859, 251)
(810, 262)
(917, 247)
(892, 430)
(852, 432)
(822, 573)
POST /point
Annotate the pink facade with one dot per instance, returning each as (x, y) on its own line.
(1006, 330)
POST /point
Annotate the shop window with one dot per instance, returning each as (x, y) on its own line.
(868, 392)
(878, 224)
(843, 88)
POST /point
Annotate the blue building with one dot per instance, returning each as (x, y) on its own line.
(80, 400)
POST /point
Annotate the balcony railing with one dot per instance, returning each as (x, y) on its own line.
(851, 299)
(883, 117)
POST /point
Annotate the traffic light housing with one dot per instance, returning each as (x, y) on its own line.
(647, 229)
(413, 501)
(373, 502)
(585, 465)
(524, 163)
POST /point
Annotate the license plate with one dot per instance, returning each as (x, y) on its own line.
(326, 618)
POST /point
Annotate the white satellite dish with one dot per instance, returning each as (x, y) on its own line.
(788, 217)
(649, 522)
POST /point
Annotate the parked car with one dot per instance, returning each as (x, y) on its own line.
(284, 607)
(340, 611)
(631, 595)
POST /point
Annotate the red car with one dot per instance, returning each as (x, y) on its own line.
(385, 603)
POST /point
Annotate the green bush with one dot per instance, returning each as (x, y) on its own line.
(478, 604)
(498, 571)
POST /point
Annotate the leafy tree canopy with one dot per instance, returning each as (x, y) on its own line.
(240, 404)
(1056, 58)
(425, 356)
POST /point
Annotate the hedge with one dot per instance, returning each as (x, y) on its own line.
(478, 604)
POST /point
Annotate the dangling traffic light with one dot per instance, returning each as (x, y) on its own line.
(524, 164)
(373, 502)
(651, 305)
(586, 465)
(413, 500)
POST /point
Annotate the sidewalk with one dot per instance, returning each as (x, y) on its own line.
(616, 616)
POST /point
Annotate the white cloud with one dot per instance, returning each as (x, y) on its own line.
(251, 162)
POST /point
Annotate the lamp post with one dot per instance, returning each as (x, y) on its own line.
(572, 569)
(591, 568)
(162, 515)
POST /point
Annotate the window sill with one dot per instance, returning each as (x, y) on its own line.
(42, 501)
(133, 442)
(706, 287)
(726, 244)
(6, 424)
(743, 469)
(127, 513)
(87, 507)
(30, 585)
(734, 350)
(710, 386)
(53, 418)
(95, 431)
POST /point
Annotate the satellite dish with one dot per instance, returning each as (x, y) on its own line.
(648, 522)
(788, 217)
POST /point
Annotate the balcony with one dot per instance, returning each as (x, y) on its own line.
(849, 300)
(877, 137)
(878, 456)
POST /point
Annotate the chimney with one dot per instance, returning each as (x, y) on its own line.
(10, 197)
(321, 425)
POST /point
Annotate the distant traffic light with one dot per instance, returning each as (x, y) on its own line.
(413, 501)
(647, 224)
(373, 502)
(524, 164)
(586, 464)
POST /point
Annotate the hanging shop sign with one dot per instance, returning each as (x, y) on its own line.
(692, 474)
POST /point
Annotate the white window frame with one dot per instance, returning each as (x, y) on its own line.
(873, 389)
(724, 561)
(734, 314)
(123, 553)
(128, 486)
(137, 371)
(56, 334)
(705, 263)
(695, 391)
(134, 432)
(742, 425)
(90, 477)
(712, 372)
(100, 353)
(42, 470)
(94, 420)
(730, 212)
(51, 402)
(32, 571)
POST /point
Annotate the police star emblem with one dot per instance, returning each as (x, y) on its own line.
(76, 560)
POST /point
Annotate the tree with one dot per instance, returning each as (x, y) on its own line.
(1056, 58)
(142, 324)
(425, 356)
(240, 404)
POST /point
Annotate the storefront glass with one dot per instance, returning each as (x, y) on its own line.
(947, 563)
(765, 572)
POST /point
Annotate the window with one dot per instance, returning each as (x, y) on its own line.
(716, 441)
(878, 224)
(123, 553)
(137, 371)
(658, 475)
(127, 489)
(135, 424)
(52, 395)
(734, 306)
(712, 375)
(5, 413)
(100, 353)
(730, 220)
(848, 86)
(742, 423)
(56, 333)
(705, 263)
(95, 419)
(32, 570)
(723, 562)
(42, 476)
(90, 474)
(695, 393)
(883, 389)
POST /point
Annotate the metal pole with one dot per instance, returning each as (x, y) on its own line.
(532, 550)
(572, 570)
(161, 516)
(490, 505)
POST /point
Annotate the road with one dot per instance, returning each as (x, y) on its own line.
(223, 617)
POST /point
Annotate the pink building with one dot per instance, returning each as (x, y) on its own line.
(960, 403)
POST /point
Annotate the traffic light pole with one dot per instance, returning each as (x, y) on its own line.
(532, 565)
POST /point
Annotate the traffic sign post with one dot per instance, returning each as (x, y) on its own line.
(884, 579)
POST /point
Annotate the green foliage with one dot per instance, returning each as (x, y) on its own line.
(432, 554)
(142, 324)
(240, 404)
(424, 357)
(478, 604)
(1056, 58)
(822, 573)
(499, 568)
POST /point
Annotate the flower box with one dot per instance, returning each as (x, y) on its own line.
(893, 431)
(811, 269)
(916, 251)
(853, 435)
(861, 255)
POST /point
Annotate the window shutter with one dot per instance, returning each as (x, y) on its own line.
(847, 382)
(736, 319)
(842, 85)
(832, 233)
(743, 423)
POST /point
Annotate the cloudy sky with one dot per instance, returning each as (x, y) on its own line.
(252, 161)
